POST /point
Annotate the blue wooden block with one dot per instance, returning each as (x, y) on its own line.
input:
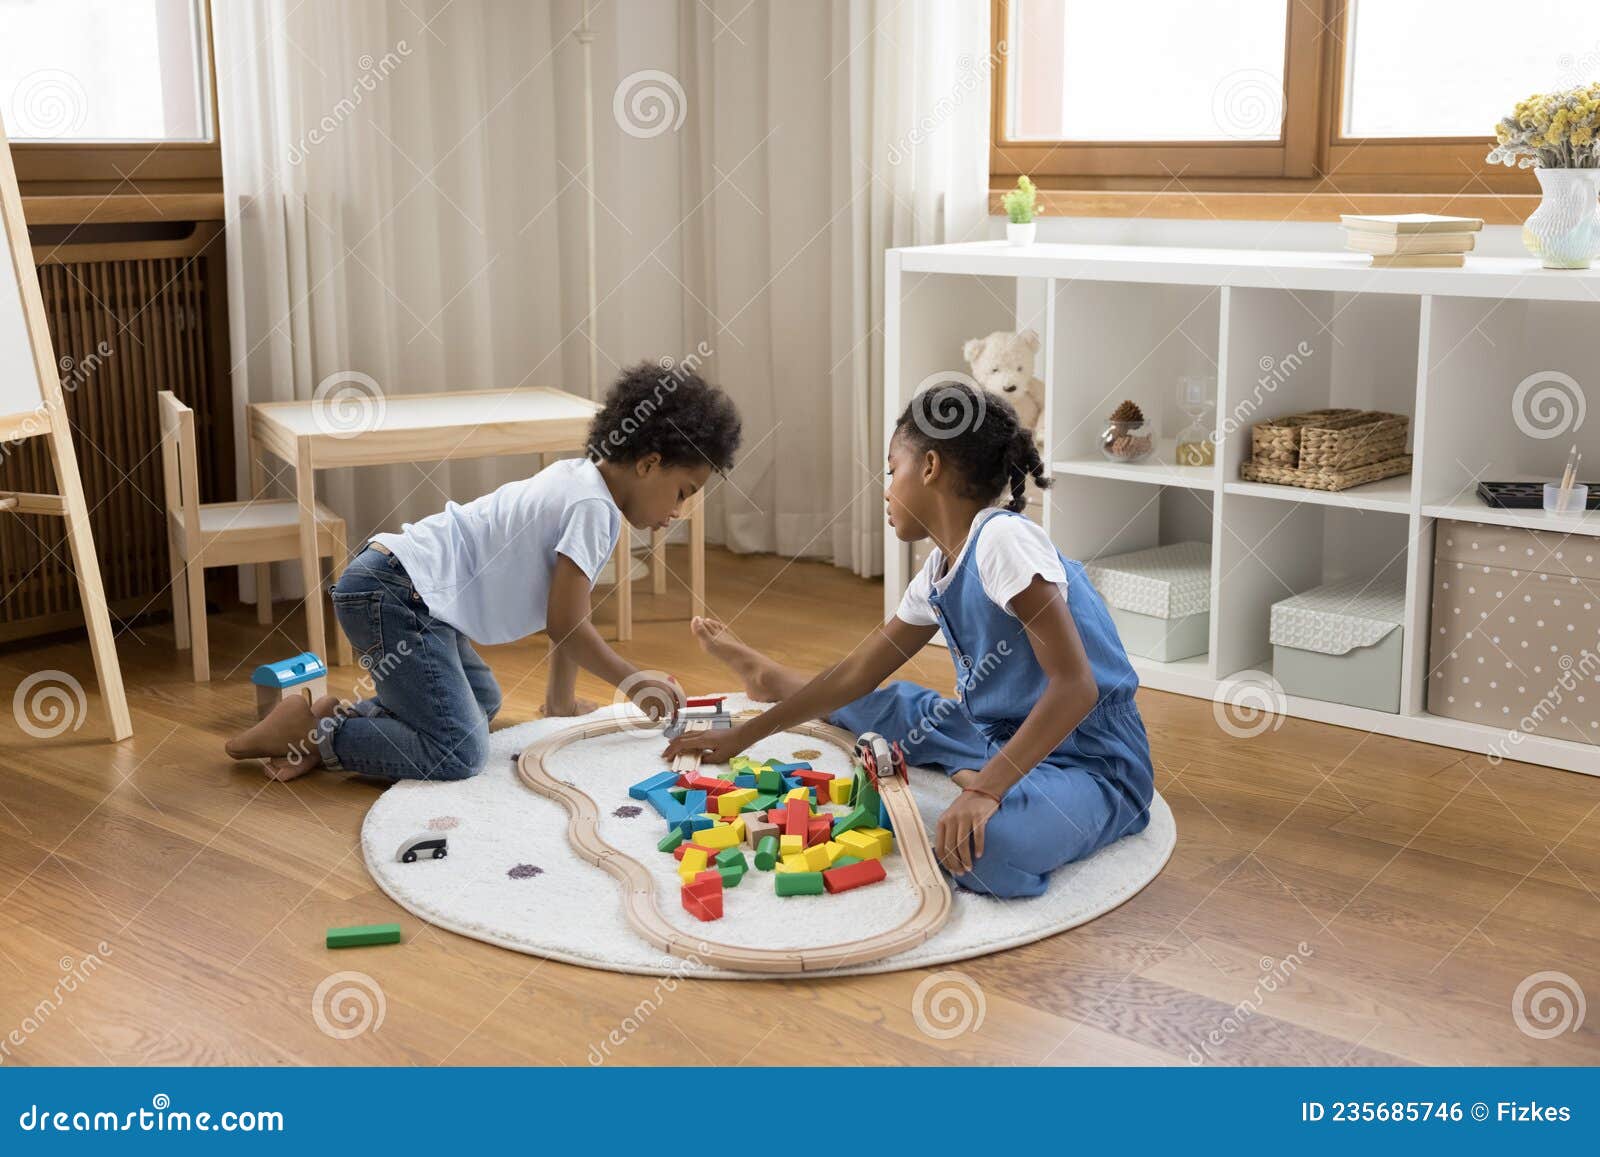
(787, 769)
(644, 787)
(690, 824)
(694, 802)
(670, 809)
(744, 780)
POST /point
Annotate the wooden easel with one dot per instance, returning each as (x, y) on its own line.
(32, 406)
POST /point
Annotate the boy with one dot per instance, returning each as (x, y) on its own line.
(511, 563)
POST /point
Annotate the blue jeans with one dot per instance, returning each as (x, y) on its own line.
(433, 697)
(1091, 792)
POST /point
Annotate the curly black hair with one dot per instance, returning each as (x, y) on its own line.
(669, 410)
(979, 435)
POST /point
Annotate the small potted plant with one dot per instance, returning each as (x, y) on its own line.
(1557, 135)
(1020, 205)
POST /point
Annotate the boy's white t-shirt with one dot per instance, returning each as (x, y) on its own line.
(486, 567)
(1010, 554)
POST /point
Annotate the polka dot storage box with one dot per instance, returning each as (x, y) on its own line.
(1514, 634)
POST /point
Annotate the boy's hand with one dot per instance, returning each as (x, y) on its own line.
(959, 840)
(659, 697)
(712, 746)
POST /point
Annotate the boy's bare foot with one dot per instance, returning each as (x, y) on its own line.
(576, 707)
(765, 680)
(286, 767)
(286, 726)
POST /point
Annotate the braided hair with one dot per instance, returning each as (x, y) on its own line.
(979, 435)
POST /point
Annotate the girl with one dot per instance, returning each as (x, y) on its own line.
(520, 560)
(1045, 740)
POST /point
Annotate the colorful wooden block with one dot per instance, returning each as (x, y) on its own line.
(660, 782)
(669, 808)
(818, 780)
(819, 829)
(693, 862)
(799, 884)
(853, 876)
(363, 935)
(802, 793)
(671, 841)
(729, 803)
(718, 836)
(761, 803)
(684, 849)
(690, 825)
(884, 837)
(731, 876)
(846, 860)
(694, 802)
(791, 845)
(744, 779)
(791, 864)
(757, 829)
(729, 856)
(767, 853)
(839, 790)
(834, 850)
(856, 817)
(817, 858)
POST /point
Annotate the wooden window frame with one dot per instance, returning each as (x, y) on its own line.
(68, 168)
(1312, 172)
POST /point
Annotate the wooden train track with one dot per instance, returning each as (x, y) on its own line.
(638, 886)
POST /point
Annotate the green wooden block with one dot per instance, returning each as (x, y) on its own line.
(864, 795)
(799, 884)
(761, 803)
(362, 935)
(768, 780)
(670, 841)
(723, 773)
(678, 793)
(856, 817)
(767, 853)
(846, 861)
(731, 876)
(728, 857)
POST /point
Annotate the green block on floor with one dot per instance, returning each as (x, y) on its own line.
(670, 841)
(722, 773)
(865, 796)
(363, 935)
(767, 853)
(768, 780)
(760, 804)
(731, 876)
(798, 884)
(856, 817)
(728, 857)
(678, 793)
(846, 861)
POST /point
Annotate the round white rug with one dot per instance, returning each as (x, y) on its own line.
(512, 879)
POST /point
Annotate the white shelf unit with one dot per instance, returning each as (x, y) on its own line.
(1281, 332)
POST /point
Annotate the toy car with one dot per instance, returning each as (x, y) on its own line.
(419, 846)
(880, 758)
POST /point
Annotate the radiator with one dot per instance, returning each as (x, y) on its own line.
(128, 318)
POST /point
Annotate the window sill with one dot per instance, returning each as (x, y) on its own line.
(1494, 209)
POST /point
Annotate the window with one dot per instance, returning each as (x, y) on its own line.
(108, 96)
(1354, 97)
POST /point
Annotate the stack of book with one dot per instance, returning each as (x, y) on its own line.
(1411, 240)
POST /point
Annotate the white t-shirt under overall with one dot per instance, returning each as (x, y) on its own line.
(485, 567)
(1010, 553)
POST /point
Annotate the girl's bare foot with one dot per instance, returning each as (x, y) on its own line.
(287, 725)
(764, 680)
(576, 707)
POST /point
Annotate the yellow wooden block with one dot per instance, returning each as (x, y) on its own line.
(721, 836)
(800, 793)
(884, 837)
(729, 802)
(860, 845)
(817, 858)
(839, 791)
(798, 863)
(834, 849)
(790, 845)
(737, 824)
(693, 862)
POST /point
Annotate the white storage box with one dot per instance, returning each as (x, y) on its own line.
(1341, 643)
(1160, 599)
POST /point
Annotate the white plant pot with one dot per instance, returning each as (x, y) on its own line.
(1564, 231)
(1023, 234)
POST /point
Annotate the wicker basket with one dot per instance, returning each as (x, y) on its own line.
(1323, 478)
(1336, 440)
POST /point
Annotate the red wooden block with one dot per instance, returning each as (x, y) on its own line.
(814, 779)
(710, 785)
(704, 701)
(677, 852)
(853, 876)
(704, 906)
(819, 830)
(797, 822)
(710, 879)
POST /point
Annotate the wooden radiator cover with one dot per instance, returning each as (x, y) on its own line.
(128, 318)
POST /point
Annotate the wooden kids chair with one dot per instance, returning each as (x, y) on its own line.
(222, 533)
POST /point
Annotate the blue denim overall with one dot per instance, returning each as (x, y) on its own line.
(1093, 789)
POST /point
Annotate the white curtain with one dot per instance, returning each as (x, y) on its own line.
(407, 201)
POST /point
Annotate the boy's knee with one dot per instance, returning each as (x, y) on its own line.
(465, 757)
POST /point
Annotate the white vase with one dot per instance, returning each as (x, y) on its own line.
(1023, 234)
(1564, 231)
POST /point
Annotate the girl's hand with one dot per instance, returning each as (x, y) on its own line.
(712, 746)
(959, 840)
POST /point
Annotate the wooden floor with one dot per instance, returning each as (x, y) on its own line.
(1335, 897)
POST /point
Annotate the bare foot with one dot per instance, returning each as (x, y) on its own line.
(286, 767)
(576, 707)
(286, 726)
(765, 680)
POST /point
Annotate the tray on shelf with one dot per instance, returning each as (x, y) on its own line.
(1324, 478)
(1526, 495)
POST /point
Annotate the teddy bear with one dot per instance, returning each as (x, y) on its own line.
(1002, 363)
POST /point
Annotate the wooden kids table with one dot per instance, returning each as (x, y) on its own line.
(433, 428)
